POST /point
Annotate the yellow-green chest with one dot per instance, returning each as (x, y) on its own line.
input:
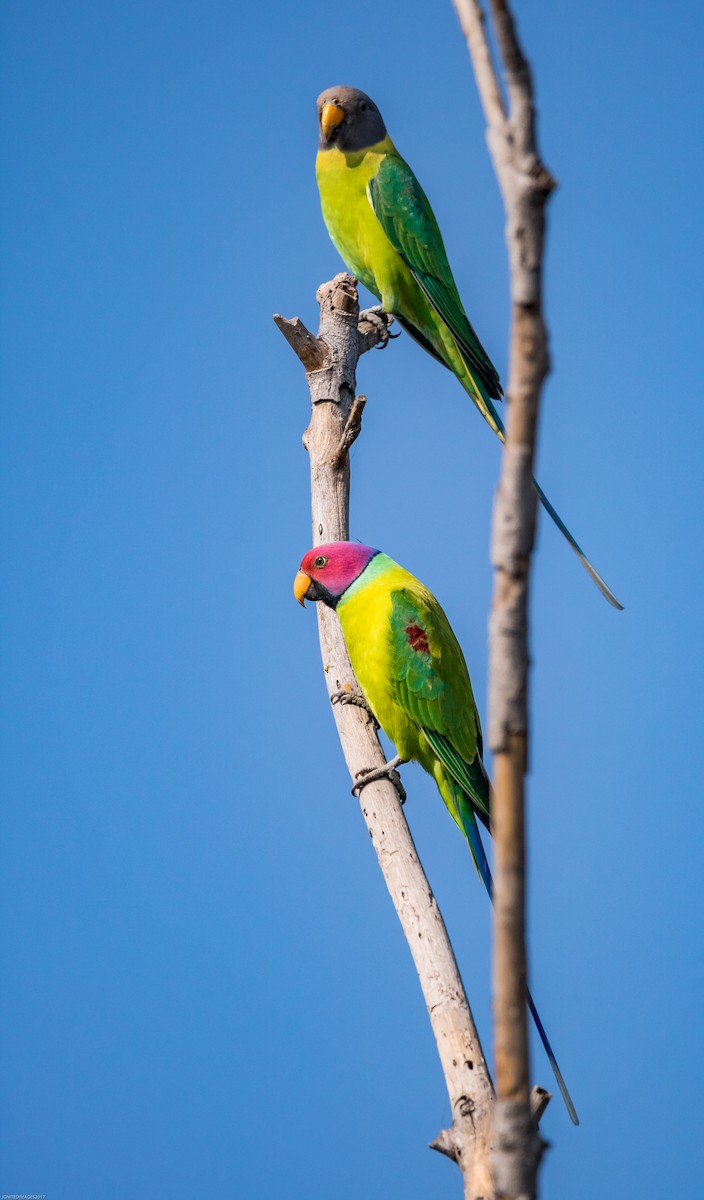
(365, 617)
(342, 181)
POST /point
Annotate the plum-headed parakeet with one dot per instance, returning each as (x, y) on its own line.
(380, 220)
(414, 678)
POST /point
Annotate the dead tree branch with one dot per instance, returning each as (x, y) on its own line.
(525, 185)
(330, 360)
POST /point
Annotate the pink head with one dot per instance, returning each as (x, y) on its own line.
(327, 571)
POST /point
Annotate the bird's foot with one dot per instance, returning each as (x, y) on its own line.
(388, 771)
(345, 695)
(380, 321)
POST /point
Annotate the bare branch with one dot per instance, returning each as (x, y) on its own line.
(473, 22)
(539, 1100)
(352, 429)
(519, 83)
(525, 185)
(335, 418)
(312, 353)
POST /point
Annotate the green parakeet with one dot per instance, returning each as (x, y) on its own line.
(414, 678)
(380, 220)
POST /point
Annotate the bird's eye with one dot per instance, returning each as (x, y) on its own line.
(363, 107)
(320, 561)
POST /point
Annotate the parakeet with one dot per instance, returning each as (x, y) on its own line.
(414, 678)
(381, 223)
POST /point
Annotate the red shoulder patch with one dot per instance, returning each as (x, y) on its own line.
(417, 639)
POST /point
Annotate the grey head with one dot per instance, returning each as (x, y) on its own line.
(348, 119)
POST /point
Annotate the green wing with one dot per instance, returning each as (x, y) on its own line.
(471, 777)
(433, 687)
(403, 211)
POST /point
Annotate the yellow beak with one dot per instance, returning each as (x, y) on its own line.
(330, 118)
(300, 587)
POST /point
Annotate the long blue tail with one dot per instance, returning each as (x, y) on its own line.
(471, 830)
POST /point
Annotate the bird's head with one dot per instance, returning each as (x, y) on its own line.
(348, 119)
(327, 571)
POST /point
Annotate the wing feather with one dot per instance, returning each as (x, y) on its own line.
(433, 686)
(402, 209)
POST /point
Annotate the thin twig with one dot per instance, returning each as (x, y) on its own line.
(525, 186)
(312, 353)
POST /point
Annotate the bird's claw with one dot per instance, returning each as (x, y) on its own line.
(380, 320)
(388, 771)
(347, 696)
(375, 314)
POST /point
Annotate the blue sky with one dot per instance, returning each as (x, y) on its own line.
(205, 988)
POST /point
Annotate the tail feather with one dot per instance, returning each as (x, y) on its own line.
(471, 831)
(552, 1060)
(602, 586)
(491, 416)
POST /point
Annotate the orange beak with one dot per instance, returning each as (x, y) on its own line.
(300, 587)
(331, 116)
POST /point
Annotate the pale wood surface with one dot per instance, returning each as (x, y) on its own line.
(335, 420)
